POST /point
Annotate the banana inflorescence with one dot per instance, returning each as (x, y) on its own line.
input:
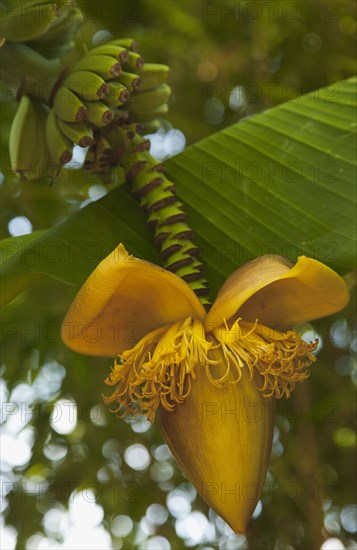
(105, 102)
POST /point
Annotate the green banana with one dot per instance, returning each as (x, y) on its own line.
(59, 146)
(159, 112)
(70, 19)
(87, 85)
(98, 113)
(135, 62)
(147, 115)
(130, 80)
(23, 25)
(103, 65)
(152, 75)
(121, 54)
(127, 43)
(79, 133)
(150, 99)
(118, 95)
(68, 106)
(29, 156)
(59, 39)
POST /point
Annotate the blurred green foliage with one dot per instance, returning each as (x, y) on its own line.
(271, 51)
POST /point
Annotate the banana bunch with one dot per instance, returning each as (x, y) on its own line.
(108, 93)
(108, 89)
(48, 27)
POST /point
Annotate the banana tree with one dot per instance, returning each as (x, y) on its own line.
(208, 266)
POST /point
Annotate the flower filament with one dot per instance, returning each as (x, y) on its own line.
(160, 368)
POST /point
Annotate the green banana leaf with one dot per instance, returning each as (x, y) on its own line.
(70, 250)
(280, 182)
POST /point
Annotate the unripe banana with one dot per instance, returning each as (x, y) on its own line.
(153, 74)
(87, 85)
(103, 65)
(48, 168)
(27, 142)
(118, 94)
(150, 99)
(158, 112)
(98, 113)
(68, 106)
(79, 133)
(135, 62)
(24, 25)
(127, 43)
(130, 80)
(59, 39)
(59, 146)
(118, 52)
(70, 19)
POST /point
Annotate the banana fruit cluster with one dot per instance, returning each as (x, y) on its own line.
(107, 89)
(137, 98)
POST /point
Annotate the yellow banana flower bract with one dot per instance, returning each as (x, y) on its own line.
(211, 378)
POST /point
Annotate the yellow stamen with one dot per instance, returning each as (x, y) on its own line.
(160, 368)
(276, 360)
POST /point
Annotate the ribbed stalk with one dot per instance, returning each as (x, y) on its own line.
(165, 214)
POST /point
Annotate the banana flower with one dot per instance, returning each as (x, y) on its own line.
(211, 377)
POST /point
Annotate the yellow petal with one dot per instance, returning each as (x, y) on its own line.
(122, 300)
(310, 290)
(242, 284)
(270, 290)
(221, 438)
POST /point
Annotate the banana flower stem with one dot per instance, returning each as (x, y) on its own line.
(165, 213)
